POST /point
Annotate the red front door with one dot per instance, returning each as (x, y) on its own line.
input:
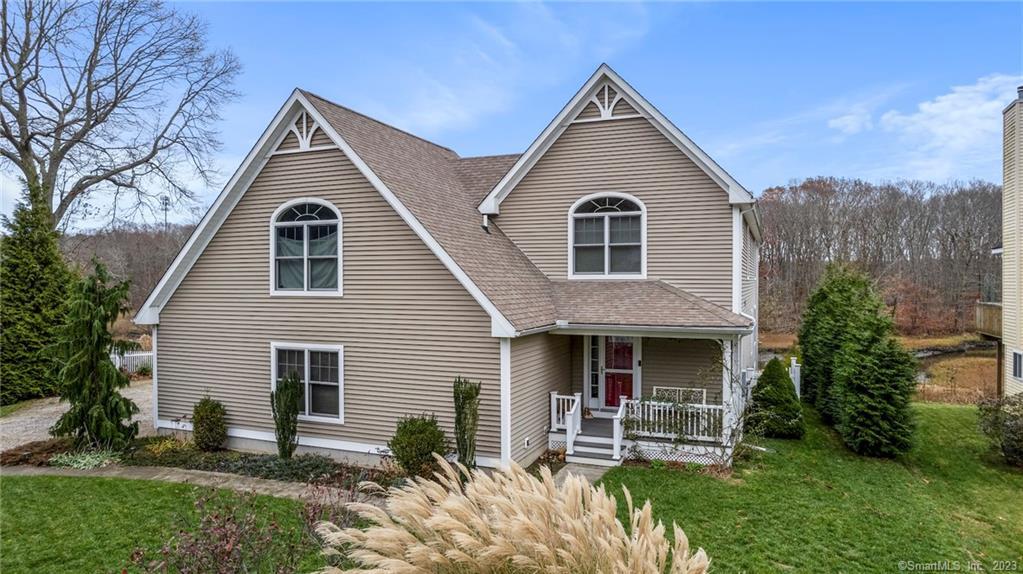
(618, 369)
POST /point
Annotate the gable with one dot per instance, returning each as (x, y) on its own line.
(598, 100)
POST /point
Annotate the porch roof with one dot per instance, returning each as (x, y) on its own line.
(640, 303)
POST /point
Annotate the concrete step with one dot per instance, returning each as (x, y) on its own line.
(592, 459)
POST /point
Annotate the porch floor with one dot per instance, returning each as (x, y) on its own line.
(597, 427)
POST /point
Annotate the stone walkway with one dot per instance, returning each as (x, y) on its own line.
(590, 472)
(276, 488)
(33, 422)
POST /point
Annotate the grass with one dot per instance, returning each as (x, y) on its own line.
(813, 506)
(783, 342)
(14, 407)
(73, 524)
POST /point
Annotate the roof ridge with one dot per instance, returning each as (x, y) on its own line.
(377, 121)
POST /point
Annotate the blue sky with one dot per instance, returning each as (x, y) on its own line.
(772, 91)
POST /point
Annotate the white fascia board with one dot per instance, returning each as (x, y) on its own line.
(149, 314)
(738, 238)
(651, 331)
(491, 203)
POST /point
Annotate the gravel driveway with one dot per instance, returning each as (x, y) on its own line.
(33, 422)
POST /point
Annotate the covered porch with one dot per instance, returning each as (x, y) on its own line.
(676, 398)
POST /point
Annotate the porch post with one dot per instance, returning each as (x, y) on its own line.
(727, 400)
(554, 410)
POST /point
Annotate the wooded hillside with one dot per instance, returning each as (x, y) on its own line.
(927, 246)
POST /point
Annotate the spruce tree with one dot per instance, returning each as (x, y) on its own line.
(34, 281)
(775, 411)
(98, 415)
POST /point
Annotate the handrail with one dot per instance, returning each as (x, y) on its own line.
(572, 429)
(567, 415)
(658, 419)
(619, 431)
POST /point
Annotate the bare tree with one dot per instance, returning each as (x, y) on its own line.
(109, 99)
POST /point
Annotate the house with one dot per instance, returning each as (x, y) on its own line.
(1010, 326)
(612, 261)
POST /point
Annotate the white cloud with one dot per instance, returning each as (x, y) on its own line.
(955, 134)
(853, 122)
(482, 71)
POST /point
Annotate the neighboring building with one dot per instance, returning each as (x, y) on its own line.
(1012, 248)
(611, 261)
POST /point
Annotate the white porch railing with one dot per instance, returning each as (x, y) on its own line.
(656, 419)
(132, 362)
(567, 415)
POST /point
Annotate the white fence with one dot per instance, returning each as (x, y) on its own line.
(656, 419)
(794, 369)
(132, 362)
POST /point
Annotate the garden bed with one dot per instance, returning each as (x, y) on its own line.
(175, 453)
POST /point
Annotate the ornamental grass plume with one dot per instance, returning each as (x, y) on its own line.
(504, 523)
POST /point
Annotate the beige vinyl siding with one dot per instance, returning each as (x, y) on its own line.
(1012, 242)
(749, 272)
(689, 363)
(590, 111)
(407, 326)
(623, 108)
(289, 142)
(320, 138)
(689, 219)
(578, 356)
(539, 365)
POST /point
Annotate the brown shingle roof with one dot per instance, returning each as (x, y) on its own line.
(648, 302)
(442, 191)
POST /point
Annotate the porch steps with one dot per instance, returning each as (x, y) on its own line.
(592, 450)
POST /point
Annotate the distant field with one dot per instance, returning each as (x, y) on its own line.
(958, 377)
(781, 342)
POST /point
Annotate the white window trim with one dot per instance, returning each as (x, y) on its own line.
(274, 291)
(1012, 364)
(296, 346)
(607, 252)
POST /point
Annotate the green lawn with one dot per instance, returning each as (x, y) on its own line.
(64, 524)
(813, 506)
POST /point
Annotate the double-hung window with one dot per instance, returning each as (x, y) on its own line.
(1017, 364)
(306, 247)
(606, 237)
(320, 370)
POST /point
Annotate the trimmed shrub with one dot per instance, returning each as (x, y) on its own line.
(510, 521)
(98, 416)
(775, 411)
(415, 441)
(35, 283)
(1001, 421)
(467, 419)
(286, 403)
(209, 425)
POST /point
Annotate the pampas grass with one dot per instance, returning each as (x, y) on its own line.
(507, 522)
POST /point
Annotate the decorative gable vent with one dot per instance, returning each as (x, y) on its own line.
(606, 103)
(304, 135)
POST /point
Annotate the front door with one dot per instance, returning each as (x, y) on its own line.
(612, 370)
(619, 356)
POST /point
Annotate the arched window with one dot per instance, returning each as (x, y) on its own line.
(607, 234)
(306, 248)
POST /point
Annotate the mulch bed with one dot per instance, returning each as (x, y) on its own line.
(36, 453)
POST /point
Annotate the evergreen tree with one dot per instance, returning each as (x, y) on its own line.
(874, 380)
(98, 415)
(34, 281)
(775, 411)
(832, 308)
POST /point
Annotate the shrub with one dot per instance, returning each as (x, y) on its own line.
(209, 427)
(98, 416)
(228, 536)
(86, 459)
(467, 419)
(510, 522)
(774, 410)
(1001, 421)
(144, 370)
(285, 402)
(415, 441)
(35, 282)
